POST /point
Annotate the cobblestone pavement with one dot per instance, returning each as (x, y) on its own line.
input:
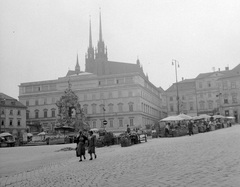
(208, 159)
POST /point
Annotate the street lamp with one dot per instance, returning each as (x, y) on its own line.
(176, 63)
(219, 95)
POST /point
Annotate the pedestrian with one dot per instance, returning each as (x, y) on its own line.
(128, 129)
(190, 128)
(167, 127)
(81, 140)
(91, 145)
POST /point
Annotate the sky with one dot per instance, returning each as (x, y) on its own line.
(40, 39)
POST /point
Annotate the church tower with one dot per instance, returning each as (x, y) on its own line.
(77, 67)
(101, 54)
(89, 59)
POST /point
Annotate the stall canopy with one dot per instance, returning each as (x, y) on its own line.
(230, 117)
(172, 118)
(203, 116)
(5, 134)
(218, 116)
(184, 116)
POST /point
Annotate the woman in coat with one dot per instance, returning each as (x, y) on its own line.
(91, 144)
(81, 140)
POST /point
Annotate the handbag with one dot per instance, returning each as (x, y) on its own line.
(77, 155)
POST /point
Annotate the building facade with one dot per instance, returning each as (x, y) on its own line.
(187, 103)
(12, 115)
(115, 91)
(209, 93)
(229, 93)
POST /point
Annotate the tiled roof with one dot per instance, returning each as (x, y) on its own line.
(8, 101)
(232, 73)
(120, 68)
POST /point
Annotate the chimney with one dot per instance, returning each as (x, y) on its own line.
(218, 69)
(226, 68)
(182, 78)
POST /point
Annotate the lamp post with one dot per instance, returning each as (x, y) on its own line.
(176, 63)
(219, 96)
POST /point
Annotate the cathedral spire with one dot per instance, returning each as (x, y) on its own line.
(100, 27)
(90, 33)
(77, 67)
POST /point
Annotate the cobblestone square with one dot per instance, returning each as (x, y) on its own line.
(207, 159)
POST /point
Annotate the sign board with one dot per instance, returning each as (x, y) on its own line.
(105, 122)
(25, 137)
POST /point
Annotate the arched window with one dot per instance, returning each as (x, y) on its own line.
(130, 107)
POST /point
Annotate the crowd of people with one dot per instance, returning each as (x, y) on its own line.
(202, 125)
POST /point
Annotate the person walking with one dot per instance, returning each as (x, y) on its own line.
(167, 128)
(91, 145)
(81, 140)
(190, 128)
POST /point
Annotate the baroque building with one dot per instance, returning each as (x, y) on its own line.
(114, 91)
(209, 93)
(12, 115)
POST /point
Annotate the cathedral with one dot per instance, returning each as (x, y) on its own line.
(116, 92)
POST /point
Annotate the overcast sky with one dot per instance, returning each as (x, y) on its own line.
(39, 40)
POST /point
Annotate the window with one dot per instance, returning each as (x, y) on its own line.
(234, 98)
(93, 97)
(171, 98)
(171, 108)
(120, 81)
(19, 122)
(201, 95)
(119, 93)
(209, 95)
(2, 122)
(233, 85)
(190, 97)
(120, 123)
(225, 86)
(94, 124)
(110, 81)
(102, 125)
(102, 108)
(94, 108)
(102, 82)
(36, 102)
(45, 87)
(85, 109)
(13, 103)
(191, 106)
(110, 95)
(45, 113)
(209, 84)
(11, 112)
(2, 111)
(131, 121)
(53, 100)
(200, 85)
(110, 108)
(85, 97)
(225, 101)
(19, 112)
(101, 96)
(183, 97)
(27, 114)
(45, 101)
(120, 107)
(226, 112)
(10, 122)
(111, 122)
(53, 87)
(210, 105)
(202, 105)
(184, 106)
(53, 113)
(130, 94)
(36, 113)
(27, 103)
(130, 107)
